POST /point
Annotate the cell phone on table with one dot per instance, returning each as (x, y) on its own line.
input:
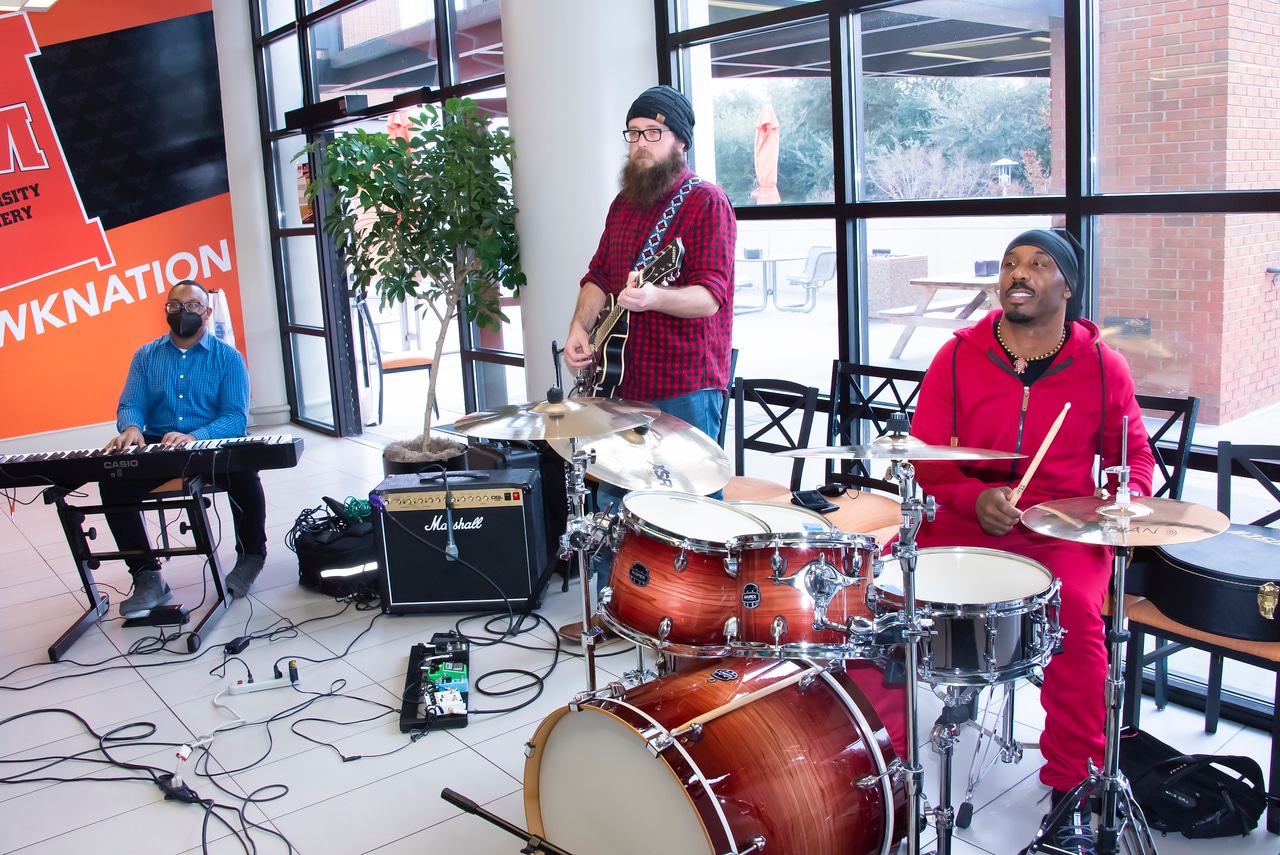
(813, 500)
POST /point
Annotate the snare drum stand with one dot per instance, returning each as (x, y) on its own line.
(914, 511)
(1108, 782)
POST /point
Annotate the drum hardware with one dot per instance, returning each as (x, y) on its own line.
(1124, 522)
(1010, 749)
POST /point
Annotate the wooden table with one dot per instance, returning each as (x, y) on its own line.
(861, 512)
(949, 314)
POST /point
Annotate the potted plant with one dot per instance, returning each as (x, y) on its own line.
(429, 220)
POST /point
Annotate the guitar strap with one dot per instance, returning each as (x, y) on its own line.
(654, 240)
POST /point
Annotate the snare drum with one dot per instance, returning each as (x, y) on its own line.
(669, 587)
(782, 518)
(995, 614)
(744, 748)
(799, 592)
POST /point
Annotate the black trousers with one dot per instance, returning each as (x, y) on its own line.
(248, 514)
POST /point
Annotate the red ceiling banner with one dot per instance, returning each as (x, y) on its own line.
(43, 226)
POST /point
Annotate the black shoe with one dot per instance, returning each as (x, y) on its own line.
(242, 576)
(1073, 832)
(149, 590)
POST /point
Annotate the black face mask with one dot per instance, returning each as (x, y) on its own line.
(185, 324)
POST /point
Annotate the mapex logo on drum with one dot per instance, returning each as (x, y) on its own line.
(438, 524)
(750, 595)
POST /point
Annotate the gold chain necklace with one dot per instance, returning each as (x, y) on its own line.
(1020, 363)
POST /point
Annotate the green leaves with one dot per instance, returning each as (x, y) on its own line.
(429, 219)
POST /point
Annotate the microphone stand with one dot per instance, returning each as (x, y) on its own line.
(533, 843)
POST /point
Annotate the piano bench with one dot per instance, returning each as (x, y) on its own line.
(177, 488)
(1145, 619)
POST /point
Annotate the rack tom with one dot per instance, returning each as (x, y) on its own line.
(670, 585)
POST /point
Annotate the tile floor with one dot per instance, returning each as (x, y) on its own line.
(352, 666)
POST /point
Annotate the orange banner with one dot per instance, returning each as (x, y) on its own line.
(66, 340)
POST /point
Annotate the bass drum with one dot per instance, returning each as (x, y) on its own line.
(739, 752)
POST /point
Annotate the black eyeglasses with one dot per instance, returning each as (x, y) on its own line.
(650, 134)
(173, 307)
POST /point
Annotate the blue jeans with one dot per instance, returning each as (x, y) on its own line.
(702, 410)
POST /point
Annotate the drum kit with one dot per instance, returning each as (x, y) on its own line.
(750, 737)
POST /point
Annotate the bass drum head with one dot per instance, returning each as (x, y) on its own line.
(786, 519)
(675, 517)
(572, 802)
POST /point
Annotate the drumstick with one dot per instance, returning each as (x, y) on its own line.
(1035, 461)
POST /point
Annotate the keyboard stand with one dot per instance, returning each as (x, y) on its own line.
(192, 499)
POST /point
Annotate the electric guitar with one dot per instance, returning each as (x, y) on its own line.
(602, 376)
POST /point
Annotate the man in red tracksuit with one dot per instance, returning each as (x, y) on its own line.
(1000, 384)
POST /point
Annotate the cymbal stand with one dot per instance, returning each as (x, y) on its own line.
(914, 511)
(1115, 825)
(580, 536)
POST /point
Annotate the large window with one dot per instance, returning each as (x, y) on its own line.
(380, 59)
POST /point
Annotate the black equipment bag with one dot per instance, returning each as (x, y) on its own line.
(337, 554)
(1198, 795)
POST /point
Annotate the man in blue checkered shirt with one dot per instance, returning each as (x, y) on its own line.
(185, 386)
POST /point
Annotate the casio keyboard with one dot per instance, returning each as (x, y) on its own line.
(60, 473)
(155, 462)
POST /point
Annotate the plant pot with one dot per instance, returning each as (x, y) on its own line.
(405, 457)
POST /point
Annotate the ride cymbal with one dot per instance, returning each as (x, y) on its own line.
(666, 454)
(1144, 522)
(570, 418)
(893, 447)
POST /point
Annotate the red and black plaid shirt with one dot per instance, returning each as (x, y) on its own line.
(666, 356)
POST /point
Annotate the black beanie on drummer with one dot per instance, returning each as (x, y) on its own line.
(667, 106)
(1066, 253)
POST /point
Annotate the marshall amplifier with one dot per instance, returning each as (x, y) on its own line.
(498, 530)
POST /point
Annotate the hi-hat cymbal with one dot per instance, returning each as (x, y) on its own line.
(1144, 522)
(893, 447)
(570, 418)
(667, 454)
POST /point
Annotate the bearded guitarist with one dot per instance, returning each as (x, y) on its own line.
(679, 336)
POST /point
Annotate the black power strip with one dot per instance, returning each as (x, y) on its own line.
(437, 684)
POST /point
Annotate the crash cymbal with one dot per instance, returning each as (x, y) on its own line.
(573, 417)
(1145, 522)
(666, 454)
(892, 447)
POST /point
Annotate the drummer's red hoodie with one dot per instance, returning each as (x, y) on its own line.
(972, 397)
(971, 393)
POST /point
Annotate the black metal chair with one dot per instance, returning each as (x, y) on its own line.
(787, 409)
(1171, 455)
(862, 399)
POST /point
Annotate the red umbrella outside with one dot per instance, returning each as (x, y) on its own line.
(766, 158)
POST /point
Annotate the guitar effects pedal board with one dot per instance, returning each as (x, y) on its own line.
(437, 684)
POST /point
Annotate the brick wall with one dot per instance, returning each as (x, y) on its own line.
(1187, 97)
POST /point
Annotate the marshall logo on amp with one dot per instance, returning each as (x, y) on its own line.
(494, 518)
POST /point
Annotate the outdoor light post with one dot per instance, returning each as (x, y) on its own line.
(1004, 166)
